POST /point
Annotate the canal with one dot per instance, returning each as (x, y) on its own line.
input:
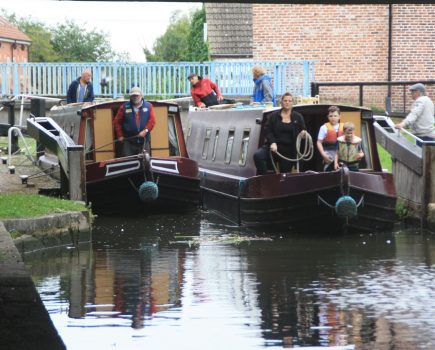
(187, 281)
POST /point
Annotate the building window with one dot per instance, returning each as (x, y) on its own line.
(244, 147)
(23, 47)
(230, 143)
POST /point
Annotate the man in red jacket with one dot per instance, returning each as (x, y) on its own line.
(204, 92)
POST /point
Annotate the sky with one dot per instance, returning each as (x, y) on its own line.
(130, 25)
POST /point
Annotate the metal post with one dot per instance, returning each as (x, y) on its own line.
(13, 138)
(361, 95)
(306, 83)
(37, 108)
(314, 89)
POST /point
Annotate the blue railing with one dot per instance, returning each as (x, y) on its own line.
(164, 79)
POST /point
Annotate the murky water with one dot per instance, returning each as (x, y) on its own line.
(186, 282)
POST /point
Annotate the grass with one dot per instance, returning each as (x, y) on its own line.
(385, 158)
(20, 205)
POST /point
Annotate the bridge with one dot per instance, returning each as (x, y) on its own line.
(156, 79)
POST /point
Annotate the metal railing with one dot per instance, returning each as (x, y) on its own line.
(315, 89)
(114, 79)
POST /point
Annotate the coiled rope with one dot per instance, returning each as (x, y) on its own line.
(305, 156)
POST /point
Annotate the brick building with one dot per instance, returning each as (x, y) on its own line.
(347, 42)
(14, 44)
(14, 47)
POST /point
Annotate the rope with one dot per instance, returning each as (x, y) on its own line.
(110, 143)
(361, 201)
(305, 156)
(324, 202)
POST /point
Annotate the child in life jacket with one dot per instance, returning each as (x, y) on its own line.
(327, 138)
(349, 150)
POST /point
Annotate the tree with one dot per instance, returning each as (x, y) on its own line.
(171, 46)
(73, 44)
(182, 41)
(41, 49)
(197, 49)
(65, 42)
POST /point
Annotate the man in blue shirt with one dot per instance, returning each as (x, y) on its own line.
(81, 89)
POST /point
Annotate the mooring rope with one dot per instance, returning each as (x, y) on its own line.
(306, 155)
(111, 143)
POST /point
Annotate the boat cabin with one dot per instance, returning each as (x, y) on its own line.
(227, 139)
(92, 127)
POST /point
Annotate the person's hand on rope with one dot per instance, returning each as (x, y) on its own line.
(303, 134)
(273, 147)
(143, 133)
(121, 138)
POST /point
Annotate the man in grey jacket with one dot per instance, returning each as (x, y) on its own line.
(421, 118)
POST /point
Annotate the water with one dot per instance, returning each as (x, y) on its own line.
(188, 282)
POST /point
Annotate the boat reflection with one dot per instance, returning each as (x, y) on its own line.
(171, 284)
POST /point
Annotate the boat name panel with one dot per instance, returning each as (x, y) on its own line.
(120, 168)
(168, 166)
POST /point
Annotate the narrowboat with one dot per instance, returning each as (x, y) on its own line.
(163, 177)
(223, 142)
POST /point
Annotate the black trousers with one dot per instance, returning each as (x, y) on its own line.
(263, 161)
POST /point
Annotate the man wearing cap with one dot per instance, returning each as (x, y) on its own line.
(421, 118)
(204, 92)
(133, 123)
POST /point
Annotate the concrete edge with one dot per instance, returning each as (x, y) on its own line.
(24, 321)
(49, 231)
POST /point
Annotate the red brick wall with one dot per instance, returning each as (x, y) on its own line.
(348, 43)
(413, 47)
(18, 54)
(9, 54)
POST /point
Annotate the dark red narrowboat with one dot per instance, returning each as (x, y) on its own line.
(114, 182)
(223, 143)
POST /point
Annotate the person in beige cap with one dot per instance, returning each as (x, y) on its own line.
(421, 118)
(133, 123)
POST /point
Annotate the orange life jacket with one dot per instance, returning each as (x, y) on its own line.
(330, 139)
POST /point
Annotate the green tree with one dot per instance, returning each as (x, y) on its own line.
(73, 44)
(66, 42)
(171, 46)
(197, 49)
(41, 49)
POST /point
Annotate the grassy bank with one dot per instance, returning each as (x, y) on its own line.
(385, 158)
(21, 205)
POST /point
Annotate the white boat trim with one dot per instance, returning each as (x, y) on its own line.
(219, 173)
(155, 165)
(131, 165)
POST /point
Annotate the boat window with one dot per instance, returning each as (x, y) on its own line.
(244, 147)
(189, 130)
(215, 144)
(206, 143)
(230, 142)
(173, 139)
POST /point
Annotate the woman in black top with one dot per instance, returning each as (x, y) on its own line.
(282, 128)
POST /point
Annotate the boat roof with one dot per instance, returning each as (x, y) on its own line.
(103, 102)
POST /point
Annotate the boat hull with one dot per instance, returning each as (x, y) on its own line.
(114, 185)
(301, 201)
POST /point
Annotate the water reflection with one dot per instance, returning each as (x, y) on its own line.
(176, 282)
